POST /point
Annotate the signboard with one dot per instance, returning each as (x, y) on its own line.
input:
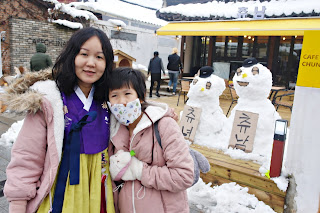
(189, 121)
(309, 67)
(243, 130)
(258, 14)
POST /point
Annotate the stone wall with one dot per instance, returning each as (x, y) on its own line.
(25, 34)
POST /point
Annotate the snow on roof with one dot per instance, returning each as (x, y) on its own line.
(75, 12)
(117, 22)
(64, 8)
(122, 9)
(230, 9)
(73, 25)
(156, 4)
(52, 1)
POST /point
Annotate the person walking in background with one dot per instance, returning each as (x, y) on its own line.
(174, 67)
(155, 67)
(149, 177)
(59, 161)
(40, 60)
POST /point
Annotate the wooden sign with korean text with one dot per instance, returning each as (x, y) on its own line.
(189, 121)
(243, 130)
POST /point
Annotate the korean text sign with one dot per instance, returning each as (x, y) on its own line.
(189, 121)
(243, 130)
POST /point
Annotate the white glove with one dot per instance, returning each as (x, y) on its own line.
(134, 171)
(119, 161)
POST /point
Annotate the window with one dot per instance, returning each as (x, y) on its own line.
(262, 46)
(204, 50)
(232, 46)
(295, 60)
(220, 44)
(247, 47)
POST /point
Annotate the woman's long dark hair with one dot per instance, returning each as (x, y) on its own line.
(64, 68)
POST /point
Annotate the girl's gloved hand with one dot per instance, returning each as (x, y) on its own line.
(134, 171)
(125, 167)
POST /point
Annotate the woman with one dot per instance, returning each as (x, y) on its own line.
(174, 67)
(60, 156)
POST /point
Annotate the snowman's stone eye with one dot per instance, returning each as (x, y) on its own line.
(208, 85)
(239, 71)
(255, 70)
(194, 81)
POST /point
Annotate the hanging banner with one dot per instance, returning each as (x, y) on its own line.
(309, 66)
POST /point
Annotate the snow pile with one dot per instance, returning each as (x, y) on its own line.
(230, 9)
(139, 67)
(9, 137)
(229, 197)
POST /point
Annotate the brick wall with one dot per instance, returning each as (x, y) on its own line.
(28, 9)
(26, 33)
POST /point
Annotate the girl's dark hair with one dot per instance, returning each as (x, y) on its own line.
(128, 77)
(64, 68)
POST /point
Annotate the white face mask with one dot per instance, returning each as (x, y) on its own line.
(126, 114)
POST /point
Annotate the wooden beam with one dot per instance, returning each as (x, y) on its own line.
(225, 169)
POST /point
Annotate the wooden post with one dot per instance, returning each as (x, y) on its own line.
(319, 205)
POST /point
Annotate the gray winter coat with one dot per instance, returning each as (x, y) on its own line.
(155, 66)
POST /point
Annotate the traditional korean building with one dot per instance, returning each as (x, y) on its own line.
(223, 34)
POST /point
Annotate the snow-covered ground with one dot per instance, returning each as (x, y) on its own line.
(227, 198)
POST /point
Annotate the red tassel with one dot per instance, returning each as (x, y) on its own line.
(103, 208)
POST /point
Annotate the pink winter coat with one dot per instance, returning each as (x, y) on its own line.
(164, 179)
(37, 150)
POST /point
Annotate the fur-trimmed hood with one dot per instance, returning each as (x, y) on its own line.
(25, 95)
(29, 93)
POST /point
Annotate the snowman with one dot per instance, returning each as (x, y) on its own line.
(253, 83)
(204, 93)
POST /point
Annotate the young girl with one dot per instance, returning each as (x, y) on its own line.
(149, 178)
(60, 156)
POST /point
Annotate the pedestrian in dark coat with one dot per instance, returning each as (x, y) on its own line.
(40, 60)
(174, 67)
(155, 67)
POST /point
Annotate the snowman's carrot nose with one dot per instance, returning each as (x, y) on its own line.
(244, 75)
(202, 89)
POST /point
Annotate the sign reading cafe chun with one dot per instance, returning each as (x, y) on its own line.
(258, 14)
